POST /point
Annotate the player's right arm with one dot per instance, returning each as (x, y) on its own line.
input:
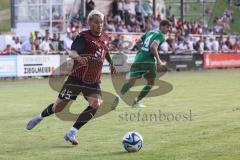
(154, 51)
(75, 56)
(77, 49)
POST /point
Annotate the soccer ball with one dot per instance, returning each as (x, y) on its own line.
(132, 141)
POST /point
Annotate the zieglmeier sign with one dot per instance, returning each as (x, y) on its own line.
(37, 65)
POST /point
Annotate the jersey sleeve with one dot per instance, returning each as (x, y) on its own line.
(79, 44)
(159, 39)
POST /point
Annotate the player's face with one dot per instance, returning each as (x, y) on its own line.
(165, 29)
(96, 25)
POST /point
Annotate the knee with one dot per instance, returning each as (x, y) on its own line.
(131, 82)
(151, 83)
(95, 101)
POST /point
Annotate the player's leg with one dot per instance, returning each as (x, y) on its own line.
(58, 106)
(146, 89)
(135, 73)
(69, 92)
(150, 77)
(93, 96)
(127, 86)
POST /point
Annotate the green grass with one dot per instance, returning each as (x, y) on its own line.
(5, 25)
(4, 4)
(5, 22)
(213, 134)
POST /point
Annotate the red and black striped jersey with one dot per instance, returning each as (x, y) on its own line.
(93, 47)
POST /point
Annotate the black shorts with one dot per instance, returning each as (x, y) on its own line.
(73, 87)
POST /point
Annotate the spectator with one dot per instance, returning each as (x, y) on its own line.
(54, 42)
(164, 47)
(120, 9)
(117, 19)
(28, 46)
(228, 42)
(126, 9)
(45, 46)
(8, 50)
(190, 43)
(138, 10)
(117, 42)
(168, 12)
(110, 27)
(67, 41)
(215, 45)
(114, 6)
(16, 46)
(200, 45)
(236, 46)
(90, 5)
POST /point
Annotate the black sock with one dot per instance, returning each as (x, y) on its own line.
(48, 111)
(84, 117)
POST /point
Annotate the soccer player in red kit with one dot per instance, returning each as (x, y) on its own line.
(88, 52)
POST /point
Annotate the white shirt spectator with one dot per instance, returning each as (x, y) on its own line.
(16, 45)
(45, 46)
(120, 6)
(201, 47)
(225, 48)
(181, 46)
(215, 46)
(67, 43)
(190, 45)
(164, 47)
(218, 28)
(117, 18)
(126, 6)
(209, 45)
(111, 27)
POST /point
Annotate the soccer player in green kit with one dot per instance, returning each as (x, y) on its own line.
(146, 62)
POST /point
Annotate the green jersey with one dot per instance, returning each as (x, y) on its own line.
(144, 54)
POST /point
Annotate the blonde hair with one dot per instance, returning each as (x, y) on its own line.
(94, 13)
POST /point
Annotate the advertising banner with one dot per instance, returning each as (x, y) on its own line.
(37, 65)
(8, 66)
(221, 60)
(183, 61)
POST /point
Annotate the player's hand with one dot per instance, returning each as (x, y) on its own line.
(162, 63)
(161, 67)
(82, 60)
(113, 69)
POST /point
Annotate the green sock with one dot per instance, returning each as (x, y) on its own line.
(125, 88)
(144, 92)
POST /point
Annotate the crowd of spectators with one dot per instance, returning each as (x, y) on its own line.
(38, 44)
(122, 19)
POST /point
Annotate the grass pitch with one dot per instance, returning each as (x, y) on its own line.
(212, 133)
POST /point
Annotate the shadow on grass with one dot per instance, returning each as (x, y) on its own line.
(64, 146)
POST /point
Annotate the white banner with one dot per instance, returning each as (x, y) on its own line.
(8, 66)
(37, 65)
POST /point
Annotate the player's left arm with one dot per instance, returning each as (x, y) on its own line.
(109, 59)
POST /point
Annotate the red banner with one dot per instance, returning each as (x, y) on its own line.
(221, 60)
